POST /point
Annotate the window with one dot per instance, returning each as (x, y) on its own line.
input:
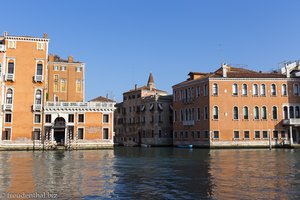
(12, 44)
(245, 112)
(78, 69)
(78, 85)
(255, 90)
(257, 134)
(80, 118)
(55, 83)
(55, 68)
(9, 96)
(40, 45)
(297, 112)
(273, 90)
(6, 134)
(215, 112)
(216, 135)
(206, 135)
(283, 134)
(274, 112)
(283, 90)
(236, 134)
(246, 134)
(215, 89)
(205, 90)
(48, 118)
(63, 85)
(205, 112)
(38, 97)
(36, 134)
(264, 112)
(245, 90)
(285, 112)
(80, 133)
(296, 89)
(263, 90)
(8, 118)
(256, 112)
(198, 114)
(105, 118)
(71, 118)
(63, 68)
(105, 133)
(235, 89)
(11, 67)
(265, 134)
(39, 69)
(275, 134)
(235, 112)
(37, 118)
(198, 91)
(292, 112)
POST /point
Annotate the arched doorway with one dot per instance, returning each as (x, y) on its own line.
(59, 130)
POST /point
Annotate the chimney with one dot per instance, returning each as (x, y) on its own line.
(45, 35)
(224, 69)
(70, 59)
(51, 57)
(5, 33)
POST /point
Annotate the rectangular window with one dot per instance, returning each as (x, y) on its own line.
(257, 134)
(206, 135)
(8, 118)
(105, 118)
(283, 134)
(78, 85)
(36, 134)
(48, 119)
(55, 83)
(198, 91)
(105, 134)
(198, 114)
(236, 134)
(205, 90)
(265, 134)
(12, 44)
(63, 85)
(40, 46)
(78, 69)
(37, 118)
(55, 68)
(63, 68)
(205, 112)
(216, 135)
(6, 135)
(39, 69)
(198, 134)
(80, 118)
(275, 134)
(71, 118)
(246, 134)
(80, 133)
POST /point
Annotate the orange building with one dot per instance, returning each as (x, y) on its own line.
(237, 107)
(43, 102)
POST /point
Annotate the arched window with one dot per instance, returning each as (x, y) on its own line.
(273, 90)
(264, 112)
(263, 90)
(216, 112)
(292, 112)
(9, 96)
(245, 90)
(285, 112)
(215, 89)
(38, 97)
(235, 112)
(296, 89)
(256, 112)
(297, 112)
(255, 89)
(245, 112)
(274, 112)
(234, 89)
(283, 90)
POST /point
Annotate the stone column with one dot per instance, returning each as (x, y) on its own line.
(291, 135)
(52, 135)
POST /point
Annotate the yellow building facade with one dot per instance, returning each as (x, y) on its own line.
(42, 99)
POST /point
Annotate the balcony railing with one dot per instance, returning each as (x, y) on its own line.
(88, 105)
(294, 121)
(9, 77)
(8, 107)
(38, 78)
(37, 107)
(188, 123)
(2, 48)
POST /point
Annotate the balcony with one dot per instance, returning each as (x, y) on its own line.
(37, 107)
(9, 77)
(7, 107)
(2, 48)
(83, 106)
(294, 121)
(188, 123)
(38, 78)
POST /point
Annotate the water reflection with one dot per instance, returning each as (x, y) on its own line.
(156, 173)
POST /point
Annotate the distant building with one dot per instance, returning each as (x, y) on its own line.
(43, 100)
(237, 107)
(144, 117)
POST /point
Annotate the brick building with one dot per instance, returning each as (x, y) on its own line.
(237, 107)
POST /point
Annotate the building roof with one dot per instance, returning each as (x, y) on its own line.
(101, 99)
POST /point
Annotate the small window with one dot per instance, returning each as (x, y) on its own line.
(245, 112)
(12, 44)
(6, 135)
(37, 118)
(79, 86)
(105, 133)
(205, 90)
(292, 112)
(255, 90)
(256, 112)
(265, 134)
(40, 46)
(285, 112)
(274, 112)
(205, 113)
(235, 112)
(296, 89)
(216, 135)
(11, 67)
(264, 112)
(234, 89)
(9, 96)
(257, 134)
(283, 135)
(245, 90)
(273, 90)
(246, 134)
(80, 118)
(63, 68)
(48, 118)
(55, 68)
(283, 90)
(63, 85)
(80, 133)
(297, 112)
(263, 90)
(78, 69)
(216, 112)
(105, 118)
(71, 118)
(236, 134)
(215, 89)
(39, 69)
(38, 97)
(8, 118)
(206, 134)
(275, 134)
(36, 134)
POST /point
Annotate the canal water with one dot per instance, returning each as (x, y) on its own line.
(151, 173)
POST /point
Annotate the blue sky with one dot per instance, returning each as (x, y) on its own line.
(122, 41)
